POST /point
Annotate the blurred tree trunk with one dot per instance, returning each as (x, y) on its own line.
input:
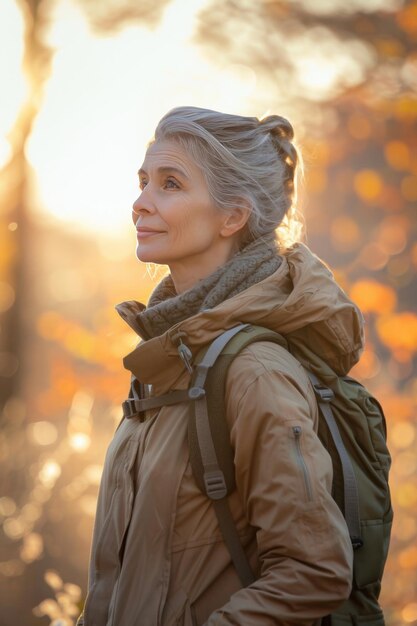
(15, 180)
(15, 217)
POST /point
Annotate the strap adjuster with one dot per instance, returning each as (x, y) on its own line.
(130, 411)
(215, 485)
(357, 542)
(195, 393)
(324, 393)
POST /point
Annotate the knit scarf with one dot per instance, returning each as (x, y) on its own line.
(254, 263)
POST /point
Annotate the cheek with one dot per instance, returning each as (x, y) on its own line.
(191, 220)
(193, 226)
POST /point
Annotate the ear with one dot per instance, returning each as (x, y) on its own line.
(236, 219)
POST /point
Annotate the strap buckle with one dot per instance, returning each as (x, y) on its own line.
(130, 411)
(357, 542)
(215, 485)
(324, 393)
(195, 393)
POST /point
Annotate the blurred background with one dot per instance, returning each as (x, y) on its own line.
(83, 84)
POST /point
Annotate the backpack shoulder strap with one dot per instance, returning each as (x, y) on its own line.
(208, 433)
(324, 397)
(211, 454)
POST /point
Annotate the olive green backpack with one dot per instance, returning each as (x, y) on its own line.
(351, 427)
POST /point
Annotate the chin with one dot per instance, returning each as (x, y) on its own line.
(146, 256)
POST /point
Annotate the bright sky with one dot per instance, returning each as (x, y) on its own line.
(102, 103)
(106, 95)
(10, 74)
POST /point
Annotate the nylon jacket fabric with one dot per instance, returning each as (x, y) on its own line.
(157, 555)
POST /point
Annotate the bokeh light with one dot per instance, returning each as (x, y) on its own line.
(85, 84)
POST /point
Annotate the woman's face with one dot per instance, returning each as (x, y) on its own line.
(176, 220)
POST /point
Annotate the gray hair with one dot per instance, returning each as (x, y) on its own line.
(244, 161)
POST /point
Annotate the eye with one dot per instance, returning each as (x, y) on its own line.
(142, 183)
(171, 183)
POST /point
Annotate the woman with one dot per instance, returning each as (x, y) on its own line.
(214, 190)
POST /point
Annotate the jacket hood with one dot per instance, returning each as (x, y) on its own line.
(301, 300)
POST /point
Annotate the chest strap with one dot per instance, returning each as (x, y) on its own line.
(136, 407)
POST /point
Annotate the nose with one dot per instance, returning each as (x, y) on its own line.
(142, 205)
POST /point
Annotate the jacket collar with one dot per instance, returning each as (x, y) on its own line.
(300, 297)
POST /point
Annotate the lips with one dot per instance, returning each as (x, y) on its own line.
(143, 233)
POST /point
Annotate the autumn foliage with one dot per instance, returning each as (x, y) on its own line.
(61, 373)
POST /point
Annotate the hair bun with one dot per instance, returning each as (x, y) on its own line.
(277, 126)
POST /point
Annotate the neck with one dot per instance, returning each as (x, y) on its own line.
(186, 275)
(167, 307)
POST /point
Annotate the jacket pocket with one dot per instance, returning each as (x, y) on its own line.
(297, 434)
(368, 564)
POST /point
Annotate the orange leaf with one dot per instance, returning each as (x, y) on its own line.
(398, 331)
(368, 185)
(373, 297)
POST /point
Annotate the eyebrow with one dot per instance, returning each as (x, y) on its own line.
(165, 169)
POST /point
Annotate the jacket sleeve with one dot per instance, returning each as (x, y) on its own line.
(283, 476)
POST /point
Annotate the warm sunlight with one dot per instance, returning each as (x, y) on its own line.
(11, 31)
(322, 64)
(106, 94)
(102, 103)
(83, 85)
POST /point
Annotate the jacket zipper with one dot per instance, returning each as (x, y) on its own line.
(301, 462)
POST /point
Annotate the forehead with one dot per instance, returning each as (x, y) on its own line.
(165, 153)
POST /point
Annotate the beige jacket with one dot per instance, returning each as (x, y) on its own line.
(157, 555)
